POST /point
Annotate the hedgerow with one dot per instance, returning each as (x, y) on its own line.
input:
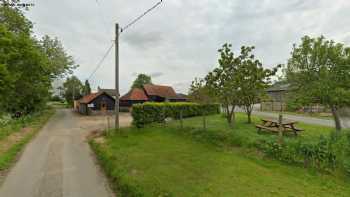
(151, 112)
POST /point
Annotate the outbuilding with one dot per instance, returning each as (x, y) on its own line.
(99, 102)
(134, 96)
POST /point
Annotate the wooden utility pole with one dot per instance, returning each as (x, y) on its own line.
(116, 108)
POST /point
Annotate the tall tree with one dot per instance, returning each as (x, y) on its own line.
(59, 62)
(73, 89)
(86, 88)
(26, 68)
(141, 80)
(222, 82)
(319, 72)
(252, 80)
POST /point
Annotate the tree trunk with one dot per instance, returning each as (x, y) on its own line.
(227, 111)
(249, 117)
(231, 117)
(336, 118)
(248, 110)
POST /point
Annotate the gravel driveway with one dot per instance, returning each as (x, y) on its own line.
(58, 162)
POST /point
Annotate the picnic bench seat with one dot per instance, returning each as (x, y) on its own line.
(260, 127)
(272, 125)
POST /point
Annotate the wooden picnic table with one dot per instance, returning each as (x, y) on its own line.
(273, 125)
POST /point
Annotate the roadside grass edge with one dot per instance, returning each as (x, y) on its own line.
(10, 156)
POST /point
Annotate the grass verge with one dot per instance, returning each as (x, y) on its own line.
(167, 161)
(24, 132)
(161, 162)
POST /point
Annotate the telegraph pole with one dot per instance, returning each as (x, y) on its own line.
(116, 108)
(117, 33)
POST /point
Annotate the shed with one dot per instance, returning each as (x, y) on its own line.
(96, 102)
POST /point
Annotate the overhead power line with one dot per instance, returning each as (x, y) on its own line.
(121, 30)
(101, 16)
(139, 17)
(101, 61)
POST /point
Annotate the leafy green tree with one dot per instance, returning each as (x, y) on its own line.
(141, 80)
(86, 88)
(319, 72)
(25, 65)
(14, 20)
(26, 68)
(252, 80)
(59, 62)
(222, 82)
(73, 89)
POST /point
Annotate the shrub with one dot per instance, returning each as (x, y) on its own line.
(56, 98)
(157, 112)
(324, 153)
(293, 104)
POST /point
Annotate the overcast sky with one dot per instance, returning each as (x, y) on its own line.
(179, 40)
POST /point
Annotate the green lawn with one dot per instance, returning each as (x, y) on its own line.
(218, 123)
(157, 160)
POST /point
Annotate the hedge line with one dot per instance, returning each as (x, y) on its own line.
(151, 112)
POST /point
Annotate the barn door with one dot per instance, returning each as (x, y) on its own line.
(104, 106)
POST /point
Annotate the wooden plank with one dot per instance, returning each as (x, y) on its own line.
(267, 128)
(284, 122)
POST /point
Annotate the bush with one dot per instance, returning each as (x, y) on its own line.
(56, 98)
(324, 153)
(293, 105)
(157, 112)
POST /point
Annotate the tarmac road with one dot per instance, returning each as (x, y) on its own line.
(59, 162)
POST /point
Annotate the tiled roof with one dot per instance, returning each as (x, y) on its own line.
(111, 92)
(135, 94)
(158, 90)
(90, 97)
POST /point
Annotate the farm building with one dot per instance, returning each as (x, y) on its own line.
(95, 103)
(134, 96)
(151, 93)
(111, 92)
(277, 96)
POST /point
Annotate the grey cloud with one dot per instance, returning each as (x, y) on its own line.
(156, 74)
(142, 39)
(153, 74)
(179, 40)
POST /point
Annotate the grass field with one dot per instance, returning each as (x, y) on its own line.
(163, 161)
